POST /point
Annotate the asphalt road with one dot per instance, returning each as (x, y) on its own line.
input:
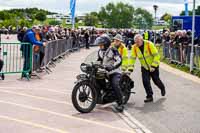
(44, 105)
(177, 112)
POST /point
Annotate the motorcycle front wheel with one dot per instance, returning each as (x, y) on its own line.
(84, 97)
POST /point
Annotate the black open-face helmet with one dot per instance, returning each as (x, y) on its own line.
(104, 40)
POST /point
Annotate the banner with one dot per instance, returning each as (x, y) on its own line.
(72, 10)
(186, 8)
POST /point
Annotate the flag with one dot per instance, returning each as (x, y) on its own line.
(186, 8)
(72, 10)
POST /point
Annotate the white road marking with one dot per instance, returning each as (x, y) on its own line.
(32, 124)
(65, 116)
(137, 123)
(130, 120)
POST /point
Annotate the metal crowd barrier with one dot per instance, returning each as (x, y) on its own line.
(17, 58)
(22, 58)
(180, 54)
(57, 49)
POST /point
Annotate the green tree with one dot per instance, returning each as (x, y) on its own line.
(166, 17)
(9, 22)
(183, 13)
(118, 15)
(197, 12)
(142, 19)
(2, 15)
(91, 19)
(40, 16)
(54, 22)
(24, 22)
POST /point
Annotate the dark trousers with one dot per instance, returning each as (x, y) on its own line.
(1, 65)
(115, 79)
(41, 57)
(27, 63)
(146, 77)
(87, 43)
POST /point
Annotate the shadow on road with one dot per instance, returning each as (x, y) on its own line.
(150, 107)
(100, 114)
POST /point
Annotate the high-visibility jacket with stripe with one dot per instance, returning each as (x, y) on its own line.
(150, 57)
(123, 51)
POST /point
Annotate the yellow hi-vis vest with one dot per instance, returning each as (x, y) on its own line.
(123, 51)
(146, 36)
(150, 58)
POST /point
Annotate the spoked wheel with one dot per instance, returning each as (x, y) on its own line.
(84, 97)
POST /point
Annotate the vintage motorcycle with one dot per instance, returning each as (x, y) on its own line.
(88, 91)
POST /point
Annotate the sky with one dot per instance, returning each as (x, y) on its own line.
(173, 7)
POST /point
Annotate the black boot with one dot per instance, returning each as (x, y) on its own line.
(2, 76)
(119, 108)
(148, 99)
(163, 92)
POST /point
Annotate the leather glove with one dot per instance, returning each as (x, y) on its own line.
(152, 69)
(109, 68)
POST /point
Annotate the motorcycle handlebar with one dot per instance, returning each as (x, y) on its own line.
(93, 65)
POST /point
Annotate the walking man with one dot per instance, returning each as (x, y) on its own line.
(149, 58)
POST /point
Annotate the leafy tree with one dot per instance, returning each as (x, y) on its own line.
(118, 15)
(40, 16)
(54, 22)
(183, 13)
(197, 12)
(24, 22)
(23, 15)
(167, 17)
(142, 19)
(91, 19)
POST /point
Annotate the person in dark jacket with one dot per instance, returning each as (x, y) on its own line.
(29, 37)
(86, 36)
(21, 34)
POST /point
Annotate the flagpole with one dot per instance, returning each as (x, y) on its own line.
(193, 31)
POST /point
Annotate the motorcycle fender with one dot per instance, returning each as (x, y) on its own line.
(81, 77)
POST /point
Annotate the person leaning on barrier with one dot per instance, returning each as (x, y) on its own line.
(123, 51)
(39, 49)
(29, 37)
(149, 58)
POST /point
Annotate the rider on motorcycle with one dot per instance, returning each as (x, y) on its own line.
(111, 60)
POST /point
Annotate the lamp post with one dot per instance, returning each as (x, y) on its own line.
(193, 30)
(155, 7)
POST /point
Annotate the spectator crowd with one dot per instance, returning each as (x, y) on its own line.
(176, 45)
